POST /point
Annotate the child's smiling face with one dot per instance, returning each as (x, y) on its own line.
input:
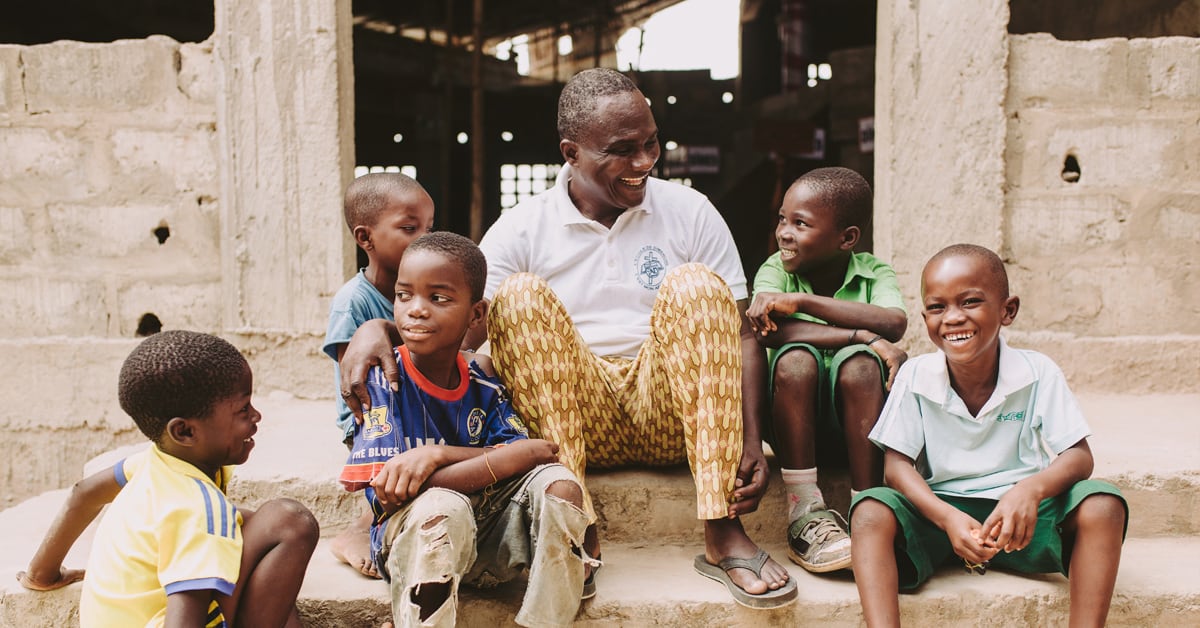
(964, 307)
(226, 435)
(808, 232)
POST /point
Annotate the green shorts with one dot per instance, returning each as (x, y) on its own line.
(921, 546)
(829, 362)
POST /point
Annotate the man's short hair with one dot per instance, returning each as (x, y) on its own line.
(577, 102)
(459, 250)
(177, 374)
(991, 261)
(844, 191)
(367, 195)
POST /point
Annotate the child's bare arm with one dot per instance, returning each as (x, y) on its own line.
(963, 530)
(494, 464)
(849, 322)
(186, 609)
(85, 501)
(463, 469)
(1010, 526)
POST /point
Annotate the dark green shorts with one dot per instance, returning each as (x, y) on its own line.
(921, 546)
(829, 362)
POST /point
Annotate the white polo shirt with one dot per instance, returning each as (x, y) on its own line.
(1030, 414)
(608, 278)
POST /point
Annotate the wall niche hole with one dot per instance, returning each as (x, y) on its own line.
(1070, 171)
(148, 325)
(162, 232)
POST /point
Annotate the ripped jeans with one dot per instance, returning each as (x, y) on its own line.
(485, 539)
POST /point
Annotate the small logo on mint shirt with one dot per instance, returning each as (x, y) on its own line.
(651, 266)
(1010, 416)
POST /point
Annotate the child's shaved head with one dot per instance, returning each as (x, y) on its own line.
(368, 195)
(997, 275)
(844, 191)
(459, 250)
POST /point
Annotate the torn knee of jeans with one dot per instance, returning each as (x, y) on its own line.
(434, 534)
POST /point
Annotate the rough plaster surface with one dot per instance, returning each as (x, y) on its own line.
(939, 130)
(238, 148)
(971, 141)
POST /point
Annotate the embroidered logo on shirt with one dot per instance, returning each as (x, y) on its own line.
(475, 424)
(1011, 416)
(651, 265)
(375, 423)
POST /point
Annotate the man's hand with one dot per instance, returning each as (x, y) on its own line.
(892, 356)
(1010, 526)
(759, 312)
(370, 346)
(404, 474)
(63, 578)
(751, 484)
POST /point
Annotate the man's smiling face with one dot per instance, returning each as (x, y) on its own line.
(613, 157)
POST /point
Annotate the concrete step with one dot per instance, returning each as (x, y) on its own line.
(1149, 445)
(654, 585)
(1146, 444)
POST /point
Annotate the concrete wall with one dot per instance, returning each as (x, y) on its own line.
(973, 127)
(239, 147)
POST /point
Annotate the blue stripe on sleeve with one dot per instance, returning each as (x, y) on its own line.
(220, 585)
(224, 514)
(208, 507)
(119, 473)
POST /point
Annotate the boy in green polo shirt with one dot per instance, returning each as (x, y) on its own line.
(828, 317)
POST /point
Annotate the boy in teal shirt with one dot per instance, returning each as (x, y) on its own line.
(828, 317)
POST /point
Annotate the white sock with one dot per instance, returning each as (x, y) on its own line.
(804, 496)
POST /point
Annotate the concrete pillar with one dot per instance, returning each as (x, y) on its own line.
(940, 86)
(285, 120)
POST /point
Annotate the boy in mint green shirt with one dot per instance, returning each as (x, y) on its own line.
(828, 317)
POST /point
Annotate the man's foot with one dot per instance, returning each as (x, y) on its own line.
(725, 539)
(818, 542)
(353, 547)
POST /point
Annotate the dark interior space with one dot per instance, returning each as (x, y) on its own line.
(741, 141)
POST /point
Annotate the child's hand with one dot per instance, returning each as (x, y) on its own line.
(1010, 526)
(539, 451)
(759, 312)
(404, 474)
(967, 538)
(64, 577)
(892, 356)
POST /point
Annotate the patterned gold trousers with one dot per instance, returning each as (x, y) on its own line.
(681, 397)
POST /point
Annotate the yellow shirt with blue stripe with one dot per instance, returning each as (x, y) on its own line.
(170, 529)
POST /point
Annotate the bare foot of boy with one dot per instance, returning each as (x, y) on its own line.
(353, 547)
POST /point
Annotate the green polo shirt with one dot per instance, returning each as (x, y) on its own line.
(868, 280)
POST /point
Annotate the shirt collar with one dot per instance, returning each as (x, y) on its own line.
(1014, 374)
(569, 214)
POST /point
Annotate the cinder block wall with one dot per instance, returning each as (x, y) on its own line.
(200, 183)
(1105, 259)
(105, 149)
(973, 126)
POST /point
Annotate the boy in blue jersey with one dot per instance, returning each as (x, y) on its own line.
(385, 212)
(171, 549)
(459, 492)
(982, 432)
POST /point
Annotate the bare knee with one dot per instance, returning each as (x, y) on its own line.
(1100, 511)
(289, 521)
(872, 518)
(859, 376)
(566, 490)
(793, 367)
